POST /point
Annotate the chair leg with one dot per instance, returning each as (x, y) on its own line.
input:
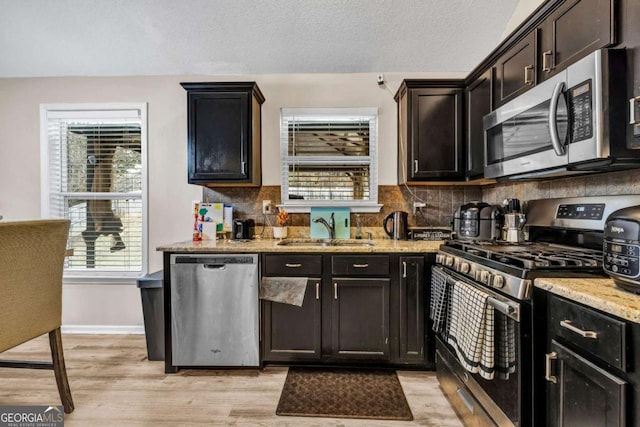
(55, 341)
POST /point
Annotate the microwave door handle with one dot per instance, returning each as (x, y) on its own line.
(553, 129)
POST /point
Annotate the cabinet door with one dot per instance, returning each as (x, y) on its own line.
(436, 142)
(478, 105)
(583, 394)
(218, 136)
(412, 316)
(360, 318)
(515, 71)
(293, 333)
(576, 29)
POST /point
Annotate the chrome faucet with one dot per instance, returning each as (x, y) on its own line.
(331, 225)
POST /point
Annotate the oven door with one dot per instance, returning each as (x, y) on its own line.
(529, 133)
(502, 397)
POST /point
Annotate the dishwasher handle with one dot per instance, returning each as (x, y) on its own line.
(214, 266)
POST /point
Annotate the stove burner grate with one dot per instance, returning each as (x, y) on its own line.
(531, 255)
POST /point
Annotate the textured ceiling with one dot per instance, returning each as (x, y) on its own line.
(151, 37)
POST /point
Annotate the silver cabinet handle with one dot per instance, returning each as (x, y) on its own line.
(632, 111)
(317, 290)
(293, 265)
(586, 334)
(547, 367)
(404, 269)
(548, 54)
(527, 80)
(360, 265)
(415, 166)
(335, 290)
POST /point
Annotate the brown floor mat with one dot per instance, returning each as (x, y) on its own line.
(344, 393)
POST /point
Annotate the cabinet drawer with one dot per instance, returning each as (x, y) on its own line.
(292, 265)
(606, 336)
(360, 265)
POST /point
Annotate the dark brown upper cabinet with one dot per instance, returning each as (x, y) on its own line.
(575, 29)
(430, 130)
(224, 133)
(515, 71)
(478, 105)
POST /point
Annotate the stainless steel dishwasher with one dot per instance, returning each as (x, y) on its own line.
(214, 310)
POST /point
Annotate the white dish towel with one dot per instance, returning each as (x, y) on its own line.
(471, 329)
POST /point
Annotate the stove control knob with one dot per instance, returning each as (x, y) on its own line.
(448, 261)
(498, 281)
(485, 277)
(478, 275)
(439, 258)
(456, 264)
(464, 267)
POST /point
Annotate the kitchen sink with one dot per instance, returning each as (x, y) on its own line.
(325, 242)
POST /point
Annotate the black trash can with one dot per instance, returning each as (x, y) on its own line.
(153, 312)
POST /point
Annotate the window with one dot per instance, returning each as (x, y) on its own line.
(329, 158)
(94, 173)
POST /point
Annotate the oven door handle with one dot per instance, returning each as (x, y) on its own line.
(507, 308)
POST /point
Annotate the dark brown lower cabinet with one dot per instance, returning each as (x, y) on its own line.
(360, 318)
(583, 394)
(292, 332)
(411, 315)
(358, 308)
(590, 371)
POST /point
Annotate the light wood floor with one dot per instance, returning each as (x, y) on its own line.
(113, 384)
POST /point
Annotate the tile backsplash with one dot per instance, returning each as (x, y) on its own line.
(612, 183)
(441, 200)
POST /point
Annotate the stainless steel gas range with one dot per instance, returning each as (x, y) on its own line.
(481, 305)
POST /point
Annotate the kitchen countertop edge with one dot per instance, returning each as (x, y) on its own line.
(270, 245)
(598, 293)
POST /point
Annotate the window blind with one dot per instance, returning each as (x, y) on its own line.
(96, 179)
(329, 155)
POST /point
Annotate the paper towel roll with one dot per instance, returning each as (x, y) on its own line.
(227, 220)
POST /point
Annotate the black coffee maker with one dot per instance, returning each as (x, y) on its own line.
(242, 229)
(399, 225)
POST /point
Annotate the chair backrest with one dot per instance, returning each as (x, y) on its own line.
(31, 265)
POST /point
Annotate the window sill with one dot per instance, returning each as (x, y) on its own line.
(96, 280)
(305, 207)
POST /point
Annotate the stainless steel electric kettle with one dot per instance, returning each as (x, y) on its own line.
(399, 225)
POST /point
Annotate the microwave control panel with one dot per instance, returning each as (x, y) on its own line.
(581, 101)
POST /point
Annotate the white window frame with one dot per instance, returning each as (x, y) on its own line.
(304, 206)
(106, 110)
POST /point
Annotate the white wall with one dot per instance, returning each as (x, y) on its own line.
(522, 11)
(169, 194)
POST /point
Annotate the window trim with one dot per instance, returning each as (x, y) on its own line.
(76, 110)
(304, 206)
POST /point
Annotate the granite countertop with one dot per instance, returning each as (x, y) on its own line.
(599, 293)
(270, 245)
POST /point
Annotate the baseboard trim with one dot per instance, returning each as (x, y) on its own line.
(103, 329)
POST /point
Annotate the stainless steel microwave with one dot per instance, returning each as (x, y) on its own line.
(574, 122)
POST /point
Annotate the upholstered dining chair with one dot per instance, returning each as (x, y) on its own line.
(31, 263)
